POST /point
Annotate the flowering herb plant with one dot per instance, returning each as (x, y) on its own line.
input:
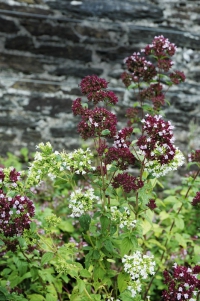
(97, 223)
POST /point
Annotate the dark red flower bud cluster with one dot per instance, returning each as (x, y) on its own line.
(157, 144)
(15, 214)
(77, 108)
(121, 138)
(127, 182)
(92, 83)
(160, 47)
(183, 283)
(151, 204)
(164, 64)
(122, 156)
(154, 93)
(14, 175)
(128, 78)
(194, 156)
(95, 121)
(140, 68)
(196, 199)
(106, 96)
(177, 77)
(92, 86)
(133, 115)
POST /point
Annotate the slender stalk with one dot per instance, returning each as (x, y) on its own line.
(167, 240)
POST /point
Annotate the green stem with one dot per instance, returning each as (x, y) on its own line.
(167, 240)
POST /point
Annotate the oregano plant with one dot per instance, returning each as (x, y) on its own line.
(103, 222)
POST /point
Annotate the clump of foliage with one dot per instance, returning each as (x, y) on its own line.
(92, 224)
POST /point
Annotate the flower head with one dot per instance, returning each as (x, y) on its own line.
(140, 68)
(92, 83)
(161, 47)
(183, 283)
(15, 214)
(127, 182)
(81, 201)
(95, 121)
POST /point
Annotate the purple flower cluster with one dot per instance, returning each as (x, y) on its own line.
(95, 121)
(140, 68)
(15, 214)
(151, 204)
(196, 199)
(122, 156)
(154, 93)
(127, 182)
(92, 86)
(160, 47)
(157, 144)
(13, 176)
(120, 152)
(177, 77)
(194, 156)
(183, 283)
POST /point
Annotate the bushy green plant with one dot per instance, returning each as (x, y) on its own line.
(94, 224)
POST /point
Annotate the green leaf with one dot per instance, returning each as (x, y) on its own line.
(85, 222)
(81, 285)
(85, 273)
(179, 222)
(46, 257)
(96, 254)
(36, 297)
(50, 297)
(99, 273)
(126, 246)
(109, 246)
(105, 132)
(66, 226)
(33, 226)
(122, 281)
(105, 223)
(181, 241)
(126, 296)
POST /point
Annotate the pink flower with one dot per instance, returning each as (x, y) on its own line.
(160, 47)
(140, 67)
(157, 144)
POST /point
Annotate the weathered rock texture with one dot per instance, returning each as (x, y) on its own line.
(47, 47)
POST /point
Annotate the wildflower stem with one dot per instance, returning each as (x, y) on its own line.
(167, 240)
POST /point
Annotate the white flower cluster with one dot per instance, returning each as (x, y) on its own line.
(123, 218)
(81, 201)
(112, 299)
(138, 266)
(51, 164)
(158, 170)
(135, 287)
(78, 161)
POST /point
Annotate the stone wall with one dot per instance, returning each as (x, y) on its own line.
(46, 47)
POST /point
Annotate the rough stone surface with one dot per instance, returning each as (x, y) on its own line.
(47, 47)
